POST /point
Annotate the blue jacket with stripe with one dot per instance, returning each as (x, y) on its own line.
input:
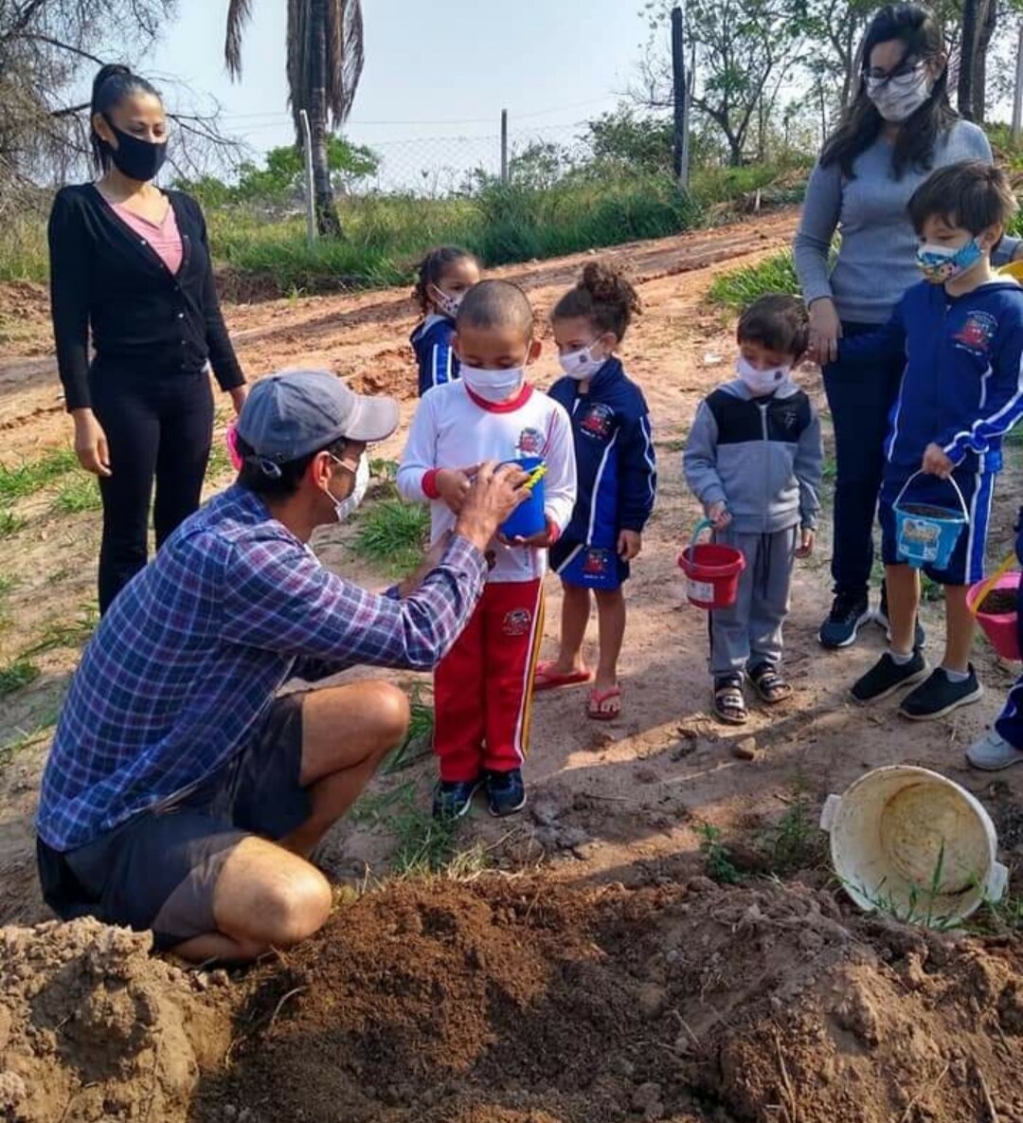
(614, 451)
(962, 387)
(437, 361)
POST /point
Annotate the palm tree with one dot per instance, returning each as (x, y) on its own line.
(326, 51)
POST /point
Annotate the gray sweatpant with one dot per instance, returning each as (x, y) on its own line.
(750, 632)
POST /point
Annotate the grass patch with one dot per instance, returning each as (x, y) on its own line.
(795, 842)
(394, 535)
(10, 523)
(73, 633)
(738, 289)
(418, 743)
(17, 675)
(22, 480)
(79, 493)
(716, 855)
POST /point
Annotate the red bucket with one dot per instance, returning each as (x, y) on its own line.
(712, 571)
(1000, 628)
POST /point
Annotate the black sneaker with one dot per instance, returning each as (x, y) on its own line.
(849, 612)
(939, 695)
(453, 798)
(881, 619)
(506, 792)
(886, 676)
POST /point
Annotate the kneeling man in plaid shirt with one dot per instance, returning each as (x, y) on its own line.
(182, 794)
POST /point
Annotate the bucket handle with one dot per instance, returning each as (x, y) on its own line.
(701, 526)
(951, 480)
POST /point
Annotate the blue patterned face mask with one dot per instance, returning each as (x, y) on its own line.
(940, 263)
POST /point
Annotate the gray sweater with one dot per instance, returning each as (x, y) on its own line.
(762, 457)
(877, 259)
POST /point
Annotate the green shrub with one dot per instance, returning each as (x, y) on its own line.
(738, 289)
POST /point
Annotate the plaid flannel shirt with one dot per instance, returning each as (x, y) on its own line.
(193, 650)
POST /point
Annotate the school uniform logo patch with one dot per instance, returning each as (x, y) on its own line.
(596, 420)
(517, 622)
(978, 331)
(597, 562)
(530, 443)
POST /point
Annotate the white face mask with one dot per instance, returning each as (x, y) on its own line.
(897, 99)
(447, 303)
(761, 382)
(345, 508)
(582, 364)
(493, 385)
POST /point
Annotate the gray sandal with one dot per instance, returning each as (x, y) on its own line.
(729, 703)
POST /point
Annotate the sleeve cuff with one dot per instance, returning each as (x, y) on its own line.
(393, 593)
(430, 489)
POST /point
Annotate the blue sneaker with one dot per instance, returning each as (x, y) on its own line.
(453, 798)
(506, 792)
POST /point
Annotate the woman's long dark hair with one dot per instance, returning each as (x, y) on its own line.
(914, 145)
(109, 88)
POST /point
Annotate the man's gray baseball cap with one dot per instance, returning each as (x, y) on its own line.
(298, 412)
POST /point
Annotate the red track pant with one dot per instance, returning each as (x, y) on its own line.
(483, 690)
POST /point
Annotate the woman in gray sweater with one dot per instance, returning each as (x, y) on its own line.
(897, 131)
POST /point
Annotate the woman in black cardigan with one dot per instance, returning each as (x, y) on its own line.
(130, 268)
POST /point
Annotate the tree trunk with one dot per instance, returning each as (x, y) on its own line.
(327, 220)
(968, 57)
(984, 37)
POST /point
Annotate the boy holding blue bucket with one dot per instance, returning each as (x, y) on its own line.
(483, 689)
(754, 460)
(961, 333)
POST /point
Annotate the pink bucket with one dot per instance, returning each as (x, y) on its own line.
(1001, 629)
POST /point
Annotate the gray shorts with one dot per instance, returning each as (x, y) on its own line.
(159, 870)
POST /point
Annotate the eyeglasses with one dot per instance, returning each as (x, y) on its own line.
(903, 75)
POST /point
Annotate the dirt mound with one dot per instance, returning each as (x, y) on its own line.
(526, 1002)
(91, 1028)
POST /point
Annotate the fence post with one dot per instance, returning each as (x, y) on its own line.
(504, 145)
(680, 147)
(310, 187)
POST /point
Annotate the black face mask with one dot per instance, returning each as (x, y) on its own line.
(137, 159)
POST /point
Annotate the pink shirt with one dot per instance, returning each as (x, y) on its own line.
(165, 238)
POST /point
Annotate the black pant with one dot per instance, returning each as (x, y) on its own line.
(860, 399)
(158, 428)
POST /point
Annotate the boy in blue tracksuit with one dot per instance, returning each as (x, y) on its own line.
(754, 460)
(961, 332)
(617, 480)
(445, 275)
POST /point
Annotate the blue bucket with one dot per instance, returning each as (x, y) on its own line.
(529, 517)
(927, 533)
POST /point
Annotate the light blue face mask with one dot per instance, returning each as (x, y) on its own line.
(940, 264)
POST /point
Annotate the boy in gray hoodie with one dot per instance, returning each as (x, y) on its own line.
(754, 459)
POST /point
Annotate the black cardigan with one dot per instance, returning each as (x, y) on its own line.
(105, 279)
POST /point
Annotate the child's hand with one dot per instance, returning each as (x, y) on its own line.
(808, 539)
(936, 463)
(630, 543)
(539, 541)
(453, 486)
(719, 515)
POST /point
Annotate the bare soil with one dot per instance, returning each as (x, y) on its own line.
(609, 981)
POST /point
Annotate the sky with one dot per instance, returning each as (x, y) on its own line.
(434, 73)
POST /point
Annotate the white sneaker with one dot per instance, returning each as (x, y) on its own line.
(992, 753)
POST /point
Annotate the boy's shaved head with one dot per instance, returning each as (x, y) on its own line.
(496, 304)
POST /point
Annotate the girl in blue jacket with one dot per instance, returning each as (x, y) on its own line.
(617, 480)
(445, 275)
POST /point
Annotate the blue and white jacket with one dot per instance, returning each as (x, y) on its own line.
(437, 360)
(614, 452)
(962, 387)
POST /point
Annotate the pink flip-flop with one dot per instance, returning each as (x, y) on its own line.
(546, 678)
(597, 700)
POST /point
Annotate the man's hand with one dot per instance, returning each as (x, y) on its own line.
(434, 556)
(936, 463)
(719, 515)
(238, 397)
(453, 486)
(808, 538)
(539, 541)
(492, 496)
(630, 544)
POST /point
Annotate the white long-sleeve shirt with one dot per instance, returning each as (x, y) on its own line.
(454, 429)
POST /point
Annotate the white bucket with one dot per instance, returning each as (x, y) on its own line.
(909, 842)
